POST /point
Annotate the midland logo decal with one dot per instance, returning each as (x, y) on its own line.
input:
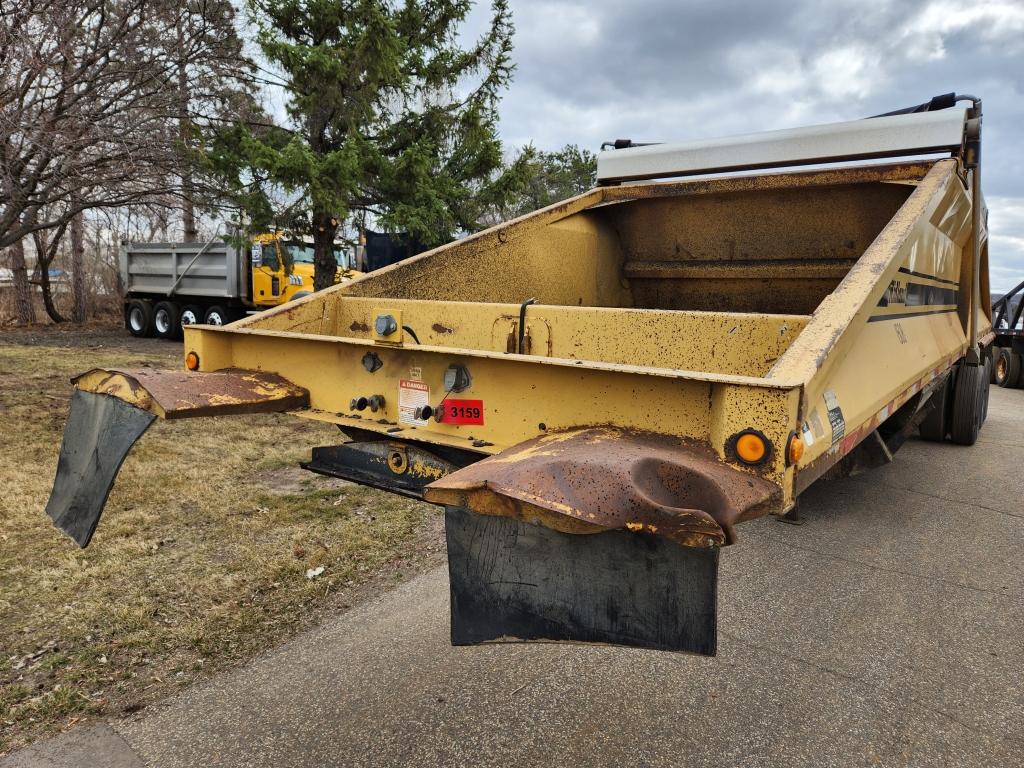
(896, 293)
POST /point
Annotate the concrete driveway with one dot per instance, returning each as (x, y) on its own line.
(887, 630)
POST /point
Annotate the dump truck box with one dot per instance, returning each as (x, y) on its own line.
(213, 270)
(600, 393)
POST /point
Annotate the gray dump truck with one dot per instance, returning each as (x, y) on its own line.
(171, 285)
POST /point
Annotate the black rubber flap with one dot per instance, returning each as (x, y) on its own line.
(98, 435)
(514, 581)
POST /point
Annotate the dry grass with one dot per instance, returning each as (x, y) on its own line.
(198, 563)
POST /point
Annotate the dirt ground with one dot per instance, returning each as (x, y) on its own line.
(204, 553)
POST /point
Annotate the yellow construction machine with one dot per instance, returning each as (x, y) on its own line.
(601, 392)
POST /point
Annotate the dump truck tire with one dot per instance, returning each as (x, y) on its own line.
(969, 396)
(1007, 368)
(217, 315)
(935, 426)
(138, 318)
(166, 320)
(191, 315)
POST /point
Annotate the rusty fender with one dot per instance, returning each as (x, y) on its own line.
(601, 479)
(111, 410)
(182, 395)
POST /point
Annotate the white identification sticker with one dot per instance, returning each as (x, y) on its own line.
(412, 395)
(835, 416)
(808, 435)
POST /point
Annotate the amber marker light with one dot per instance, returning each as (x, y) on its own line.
(751, 447)
(192, 361)
(795, 449)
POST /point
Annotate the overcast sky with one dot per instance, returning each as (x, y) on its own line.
(673, 70)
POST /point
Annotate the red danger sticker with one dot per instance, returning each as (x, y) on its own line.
(463, 412)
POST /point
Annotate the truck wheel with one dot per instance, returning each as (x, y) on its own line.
(138, 317)
(166, 320)
(217, 315)
(969, 396)
(1007, 368)
(935, 426)
(191, 315)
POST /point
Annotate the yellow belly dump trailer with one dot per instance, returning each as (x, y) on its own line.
(601, 392)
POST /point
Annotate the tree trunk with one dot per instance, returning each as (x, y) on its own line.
(78, 268)
(324, 265)
(188, 208)
(45, 251)
(22, 289)
(47, 289)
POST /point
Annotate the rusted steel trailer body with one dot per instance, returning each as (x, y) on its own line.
(600, 392)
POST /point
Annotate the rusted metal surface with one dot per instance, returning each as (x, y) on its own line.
(601, 479)
(392, 465)
(181, 395)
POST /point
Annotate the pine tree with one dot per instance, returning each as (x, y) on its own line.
(387, 115)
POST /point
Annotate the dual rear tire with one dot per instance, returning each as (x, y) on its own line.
(218, 315)
(191, 315)
(961, 405)
(138, 317)
(166, 320)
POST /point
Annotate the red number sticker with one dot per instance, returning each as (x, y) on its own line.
(463, 412)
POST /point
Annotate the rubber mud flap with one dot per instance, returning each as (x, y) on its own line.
(98, 435)
(516, 581)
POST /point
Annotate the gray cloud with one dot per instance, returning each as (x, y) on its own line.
(670, 70)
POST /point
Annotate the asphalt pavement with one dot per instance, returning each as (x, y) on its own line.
(887, 630)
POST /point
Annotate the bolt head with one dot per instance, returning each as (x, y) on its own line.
(385, 325)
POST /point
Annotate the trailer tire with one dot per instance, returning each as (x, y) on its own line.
(191, 315)
(217, 315)
(1007, 368)
(935, 426)
(987, 387)
(969, 396)
(138, 317)
(166, 320)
